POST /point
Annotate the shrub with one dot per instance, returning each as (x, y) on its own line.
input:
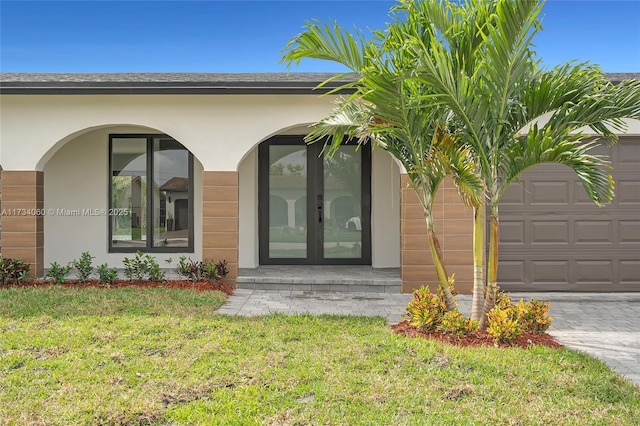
(135, 268)
(143, 267)
(503, 300)
(107, 275)
(207, 270)
(533, 316)
(503, 323)
(189, 268)
(425, 309)
(455, 324)
(214, 271)
(58, 273)
(155, 273)
(84, 266)
(13, 270)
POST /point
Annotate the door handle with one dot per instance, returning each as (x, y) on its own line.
(320, 207)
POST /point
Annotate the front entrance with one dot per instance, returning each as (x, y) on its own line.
(314, 209)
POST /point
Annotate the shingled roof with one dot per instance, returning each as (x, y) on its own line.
(165, 83)
(182, 83)
(176, 184)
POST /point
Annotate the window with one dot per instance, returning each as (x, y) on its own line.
(150, 194)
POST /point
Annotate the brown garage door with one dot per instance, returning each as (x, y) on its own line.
(553, 238)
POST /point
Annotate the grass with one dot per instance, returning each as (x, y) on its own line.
(159, 356)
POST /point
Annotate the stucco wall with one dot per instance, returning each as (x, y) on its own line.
(248, 211)
(76, 177)
(219, 130)
(385, 208)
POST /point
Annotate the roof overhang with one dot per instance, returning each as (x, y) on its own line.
(166, 83)
(184, 83)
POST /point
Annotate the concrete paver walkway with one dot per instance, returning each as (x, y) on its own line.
(606, 326)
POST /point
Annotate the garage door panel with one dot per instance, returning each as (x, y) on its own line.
(549, 193)
(549, 271)
(512, 233)
(556, 238)
(594, 271)
(549, 232)
(594, 232)
(628, 152)
(511, 271)
(514, 195)
(630, 271)
(628, 192)
(629, 232)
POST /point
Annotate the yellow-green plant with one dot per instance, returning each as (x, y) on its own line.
(533, 316)
(455, 324)
(503, 324)
(425, 309)
(503, 300)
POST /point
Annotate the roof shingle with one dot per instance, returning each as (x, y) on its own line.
(183, 83)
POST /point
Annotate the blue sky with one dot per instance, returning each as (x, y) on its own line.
(248, 36)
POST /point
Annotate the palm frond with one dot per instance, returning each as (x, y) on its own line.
(565, 84)
(461, 164)
(327, 42)
(349, 119)
(602, 110)
(541, 145)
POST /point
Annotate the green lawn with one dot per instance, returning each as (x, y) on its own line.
(159, 356)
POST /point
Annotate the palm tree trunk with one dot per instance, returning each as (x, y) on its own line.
(492, 267)
(438, 261)
(436, 252)
(477, 304)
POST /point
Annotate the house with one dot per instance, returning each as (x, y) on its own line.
(213, 166)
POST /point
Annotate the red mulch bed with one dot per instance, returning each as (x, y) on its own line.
(478, 338)
(186, 284)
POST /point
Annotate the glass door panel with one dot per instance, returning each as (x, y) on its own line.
(312, 209)
(287, 201)
(342, 224)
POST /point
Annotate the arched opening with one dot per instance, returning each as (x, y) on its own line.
(113, 190)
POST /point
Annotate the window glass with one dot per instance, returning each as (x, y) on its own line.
(129, 192)
(171, 189)
(151, 183)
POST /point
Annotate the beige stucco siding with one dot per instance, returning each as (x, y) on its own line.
(219, 130)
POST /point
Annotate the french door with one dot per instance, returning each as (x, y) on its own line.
(313, 209)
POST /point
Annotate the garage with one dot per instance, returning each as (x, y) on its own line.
(554, 238)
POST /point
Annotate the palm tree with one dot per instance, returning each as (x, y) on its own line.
(513, 113)
(466, 73)
(387, 109)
